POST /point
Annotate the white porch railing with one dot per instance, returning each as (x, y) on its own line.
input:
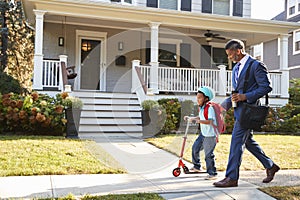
(187, 80)
(51, 74)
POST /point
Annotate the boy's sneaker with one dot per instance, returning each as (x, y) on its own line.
(210, 177)
(193, 169)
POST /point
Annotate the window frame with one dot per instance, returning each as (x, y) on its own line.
(295, 6)
(296, 51)
(123, 2)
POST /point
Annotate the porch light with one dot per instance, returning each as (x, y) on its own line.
(61, 41)
(86, 46)
(120, 46)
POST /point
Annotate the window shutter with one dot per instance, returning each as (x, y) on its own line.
(185, 55)
(148, 51)
(152, 3)
(186, 5)
(205, 56)
(238, 8)
(207, 6)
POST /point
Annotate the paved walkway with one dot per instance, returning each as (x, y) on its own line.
(150, 170)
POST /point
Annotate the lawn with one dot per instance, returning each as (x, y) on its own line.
(283, 149)
(34, 155)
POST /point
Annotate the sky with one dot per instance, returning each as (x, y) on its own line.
(266, 9)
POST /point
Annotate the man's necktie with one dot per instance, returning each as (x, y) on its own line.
(236, 72)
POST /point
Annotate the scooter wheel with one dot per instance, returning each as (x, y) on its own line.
(176, 172)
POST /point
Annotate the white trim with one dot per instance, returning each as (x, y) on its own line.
(297, 12)
(294, 41)
(294, 67)
(101, 36)
(278, 46)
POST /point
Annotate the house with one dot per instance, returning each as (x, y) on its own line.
(291, 13)
(147, 48)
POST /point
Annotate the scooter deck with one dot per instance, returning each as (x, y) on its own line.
(195, 172)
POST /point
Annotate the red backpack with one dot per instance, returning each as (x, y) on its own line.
(220, 118)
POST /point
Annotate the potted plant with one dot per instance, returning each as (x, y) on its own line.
(152, 118)
(73, 106)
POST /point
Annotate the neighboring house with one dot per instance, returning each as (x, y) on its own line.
(177, 45)
(271, 49)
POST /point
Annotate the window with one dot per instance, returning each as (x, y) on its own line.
(122, 1)
(293, 7)
(221, 7)
(167, 55)
(185, 5)
(292, 10)
(168, 4)
(296, 42)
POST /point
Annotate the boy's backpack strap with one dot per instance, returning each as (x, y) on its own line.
(206, 110)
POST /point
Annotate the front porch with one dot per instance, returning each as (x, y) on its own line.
(170, 82)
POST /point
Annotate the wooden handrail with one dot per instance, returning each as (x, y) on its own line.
(139, 74)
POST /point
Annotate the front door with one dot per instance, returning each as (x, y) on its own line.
(90, 62)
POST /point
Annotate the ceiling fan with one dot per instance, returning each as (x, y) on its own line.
(209, 36)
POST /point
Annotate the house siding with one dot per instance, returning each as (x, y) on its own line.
(270, 58)
(247, 8)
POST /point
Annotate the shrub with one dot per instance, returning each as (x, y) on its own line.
(294, 91)
(187, 108)
(9, 84)
(34, 113)
(149, 104)
(172, 108)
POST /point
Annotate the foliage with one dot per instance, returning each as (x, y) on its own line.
(72, 102)
(172, 108)
(8, 84)
(294, 91)
(229, 120)
(32, 113)
(20, 45)
(187, 108)
(149, 104)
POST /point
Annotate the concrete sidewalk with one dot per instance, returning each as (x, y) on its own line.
(149, 170)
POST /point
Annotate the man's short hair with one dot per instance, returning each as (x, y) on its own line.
(234, 44)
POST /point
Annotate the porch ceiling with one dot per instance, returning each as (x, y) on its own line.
(93, 13)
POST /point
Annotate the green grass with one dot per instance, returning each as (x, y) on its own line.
(283, 193)
(282, 149)
(35, 155)
(138, 196)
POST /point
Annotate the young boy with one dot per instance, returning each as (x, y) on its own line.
(207, 137)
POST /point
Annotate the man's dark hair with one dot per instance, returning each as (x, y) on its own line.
(234, 44)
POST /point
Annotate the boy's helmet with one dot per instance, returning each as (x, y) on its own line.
(207, 91)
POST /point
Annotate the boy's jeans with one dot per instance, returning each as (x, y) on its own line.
(208, 144)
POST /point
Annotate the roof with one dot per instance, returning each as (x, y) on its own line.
(87, 12)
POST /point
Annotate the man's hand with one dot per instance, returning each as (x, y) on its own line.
(236, 97)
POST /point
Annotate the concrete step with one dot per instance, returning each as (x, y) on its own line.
(109, 113)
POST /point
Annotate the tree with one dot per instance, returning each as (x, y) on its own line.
(20, 44)
(3, 35)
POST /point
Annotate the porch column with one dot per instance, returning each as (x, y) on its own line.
(285, 77)
(222, 80)
(38, 50)
(154, 57)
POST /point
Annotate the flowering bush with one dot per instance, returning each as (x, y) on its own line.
(34, 113)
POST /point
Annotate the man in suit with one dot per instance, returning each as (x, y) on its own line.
(258, 86)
